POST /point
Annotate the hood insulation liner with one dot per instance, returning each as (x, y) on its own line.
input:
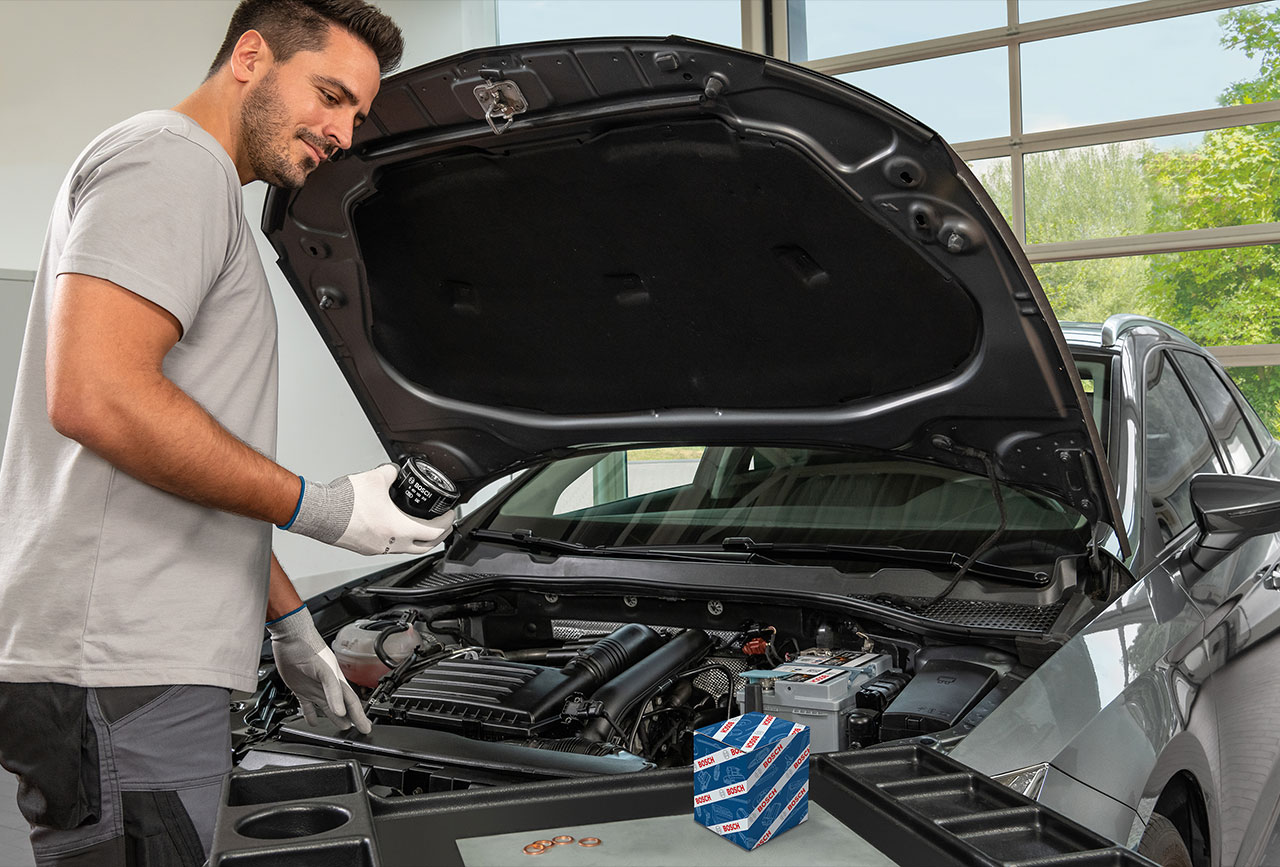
(779, 297)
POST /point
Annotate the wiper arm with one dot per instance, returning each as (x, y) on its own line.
(880, 554)
(527, 541)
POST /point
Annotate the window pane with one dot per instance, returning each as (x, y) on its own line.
(825, 28)
(1167, 66)
(923, 89)
(1090, 290)
(994, 175)
(1177, 447)
(533, 20)
(1227, 177)
(1035, 10)
(1225, 421)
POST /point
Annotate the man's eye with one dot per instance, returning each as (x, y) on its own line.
(329, 98)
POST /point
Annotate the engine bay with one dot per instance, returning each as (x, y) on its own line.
(512, 684)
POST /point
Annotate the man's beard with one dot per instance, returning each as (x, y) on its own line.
(265, 138)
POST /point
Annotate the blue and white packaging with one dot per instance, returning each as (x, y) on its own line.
(751, 777)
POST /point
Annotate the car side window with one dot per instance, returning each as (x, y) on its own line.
(1226, 421)
(1177, 447)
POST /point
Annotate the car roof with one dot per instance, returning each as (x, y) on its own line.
(1106, 335)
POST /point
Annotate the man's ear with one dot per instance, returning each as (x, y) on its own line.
(250, 57)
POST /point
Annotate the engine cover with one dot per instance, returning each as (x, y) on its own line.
(495, 698)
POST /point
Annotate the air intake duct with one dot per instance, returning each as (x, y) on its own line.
(630, 686)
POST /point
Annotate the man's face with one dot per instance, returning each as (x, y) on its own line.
(301, 111)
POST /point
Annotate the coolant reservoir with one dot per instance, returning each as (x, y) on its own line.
(353, 647)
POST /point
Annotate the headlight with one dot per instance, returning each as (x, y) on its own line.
(1028, 781)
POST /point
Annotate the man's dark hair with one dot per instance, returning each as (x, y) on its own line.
(290, 26)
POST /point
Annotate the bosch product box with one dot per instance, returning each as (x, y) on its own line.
(751, 777)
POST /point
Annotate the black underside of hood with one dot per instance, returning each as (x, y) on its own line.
(676, 243)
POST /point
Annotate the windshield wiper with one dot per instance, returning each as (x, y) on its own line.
(900, 556)
(527, 541)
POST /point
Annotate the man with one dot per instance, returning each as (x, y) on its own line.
(137, 491)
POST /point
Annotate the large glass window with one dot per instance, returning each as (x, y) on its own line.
(965, 96)
(1177, 447)
(536, 20)
(825, 28)
(1090, 290)
(1157, 67)
(1166, 184)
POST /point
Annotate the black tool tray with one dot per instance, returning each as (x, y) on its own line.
(915, 805)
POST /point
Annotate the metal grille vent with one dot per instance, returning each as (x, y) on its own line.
(448, 579)
(980, 614)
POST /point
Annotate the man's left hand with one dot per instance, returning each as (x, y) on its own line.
(310, 669)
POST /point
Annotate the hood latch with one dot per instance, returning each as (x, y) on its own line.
(500, 99)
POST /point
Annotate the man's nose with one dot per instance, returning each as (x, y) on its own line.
(339, 131)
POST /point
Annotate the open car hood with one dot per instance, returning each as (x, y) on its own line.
(675, 242)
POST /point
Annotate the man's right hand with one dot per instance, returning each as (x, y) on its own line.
(355, 512)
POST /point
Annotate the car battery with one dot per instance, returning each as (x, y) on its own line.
(817, 695)
(751, 777)
(854, 660)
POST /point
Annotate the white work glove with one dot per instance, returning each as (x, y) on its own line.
(310, 669)
(355, 512)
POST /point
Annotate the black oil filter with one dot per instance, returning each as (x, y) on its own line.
(421, 490)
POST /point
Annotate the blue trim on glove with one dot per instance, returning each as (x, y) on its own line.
(298, 507)
(290, 614)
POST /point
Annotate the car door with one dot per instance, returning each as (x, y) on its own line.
(1238, 662)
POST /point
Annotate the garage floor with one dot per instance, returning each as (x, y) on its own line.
(15, 851)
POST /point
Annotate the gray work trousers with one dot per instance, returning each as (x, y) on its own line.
(117, 776)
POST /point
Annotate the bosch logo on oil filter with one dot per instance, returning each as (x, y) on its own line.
(421, 490)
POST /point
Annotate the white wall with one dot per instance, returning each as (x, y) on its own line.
(70, 68)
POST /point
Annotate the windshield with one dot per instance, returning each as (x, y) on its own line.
(697, 495)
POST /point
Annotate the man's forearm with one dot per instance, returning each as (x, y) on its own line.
(163, 437)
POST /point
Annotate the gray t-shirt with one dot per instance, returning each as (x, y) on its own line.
(104, 580)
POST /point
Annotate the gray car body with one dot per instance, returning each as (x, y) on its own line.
(1174, 688)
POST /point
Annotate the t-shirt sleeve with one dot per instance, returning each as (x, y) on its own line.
(154, 218)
